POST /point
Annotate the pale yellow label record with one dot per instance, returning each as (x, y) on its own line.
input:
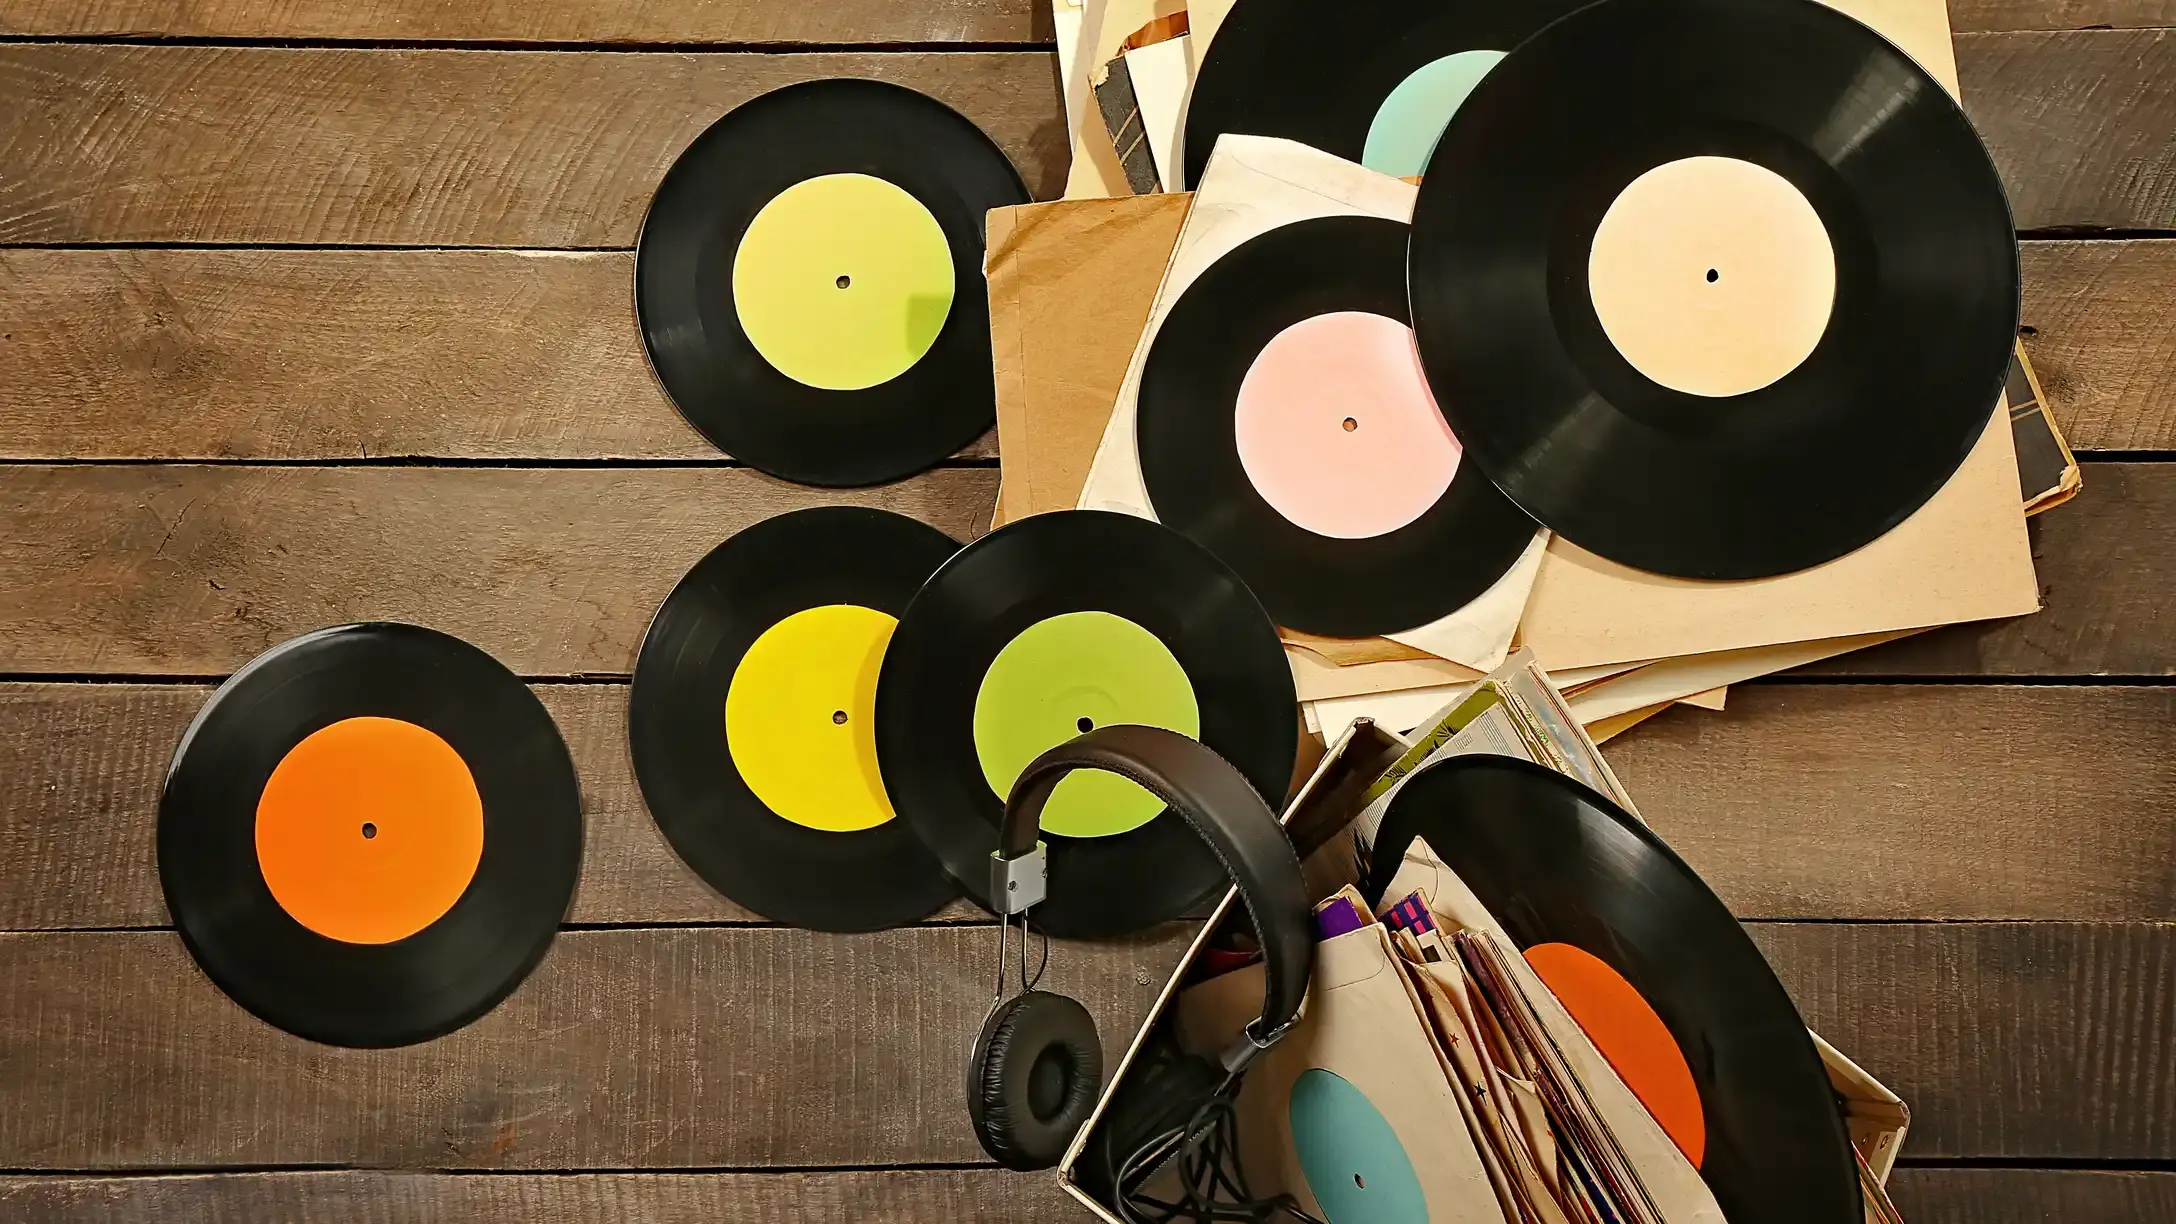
(843, 281)
(800, 717)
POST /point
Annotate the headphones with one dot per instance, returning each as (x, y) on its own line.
(1037, 1067)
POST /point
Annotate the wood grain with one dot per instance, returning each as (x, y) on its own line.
(650, 21)
(540, 149)
(2030, 1196)
(900, 1196)
(626, 1049)
(1930, 801)
(2100, 322)
(1966, 15)
(2027, 1041)
(1798, 802)
(177, 570)
(346, 354)
(2079, 123)
(2104, 582)
(437, 148)
(331, 354)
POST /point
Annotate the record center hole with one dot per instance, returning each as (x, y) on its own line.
(1351, 424)
(838, 718)
(369, 830)
(1713, 276)
(844, 281)
(1359, 1181)
(1086, 725)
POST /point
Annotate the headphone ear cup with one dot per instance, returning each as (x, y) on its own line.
(1033, 1079)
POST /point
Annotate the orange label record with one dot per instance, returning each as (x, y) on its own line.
(1631, 1036)
(369, 830)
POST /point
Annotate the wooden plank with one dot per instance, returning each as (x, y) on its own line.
(836, 22)
(1919, 801)
(81, 767)
(2100, 325)
(1969, 15)
(538, 149)
(438, 148)
(2078, 123)
(627, 1049)
(2030, 1196)
(895, 1196)
(345, 354)
(331, 354)
(714, 1047)
(1798, 802)
(178, 570)
(2017, 1041)
(2104, 582)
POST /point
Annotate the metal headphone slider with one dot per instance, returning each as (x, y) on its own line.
(1017, 883)
(1249, 1047)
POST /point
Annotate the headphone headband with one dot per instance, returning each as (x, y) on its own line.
(1222, 808)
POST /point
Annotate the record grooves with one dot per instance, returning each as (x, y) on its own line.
(938, 167)
(1827, 456)
(729, 626)
(1192, 466)
(1558, 865)
(253, 872)
(1079, 610)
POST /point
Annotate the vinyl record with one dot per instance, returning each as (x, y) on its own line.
(1617, 924)
(1049, 627)
(1714, 288)
(369, 834)
(752, 719)
(809, 281)
(1285, 426)
(1374, 84)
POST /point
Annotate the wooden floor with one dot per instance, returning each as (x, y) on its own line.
(319, 311)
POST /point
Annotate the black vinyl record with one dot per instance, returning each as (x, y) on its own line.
(688, 260)
(1192, 465)
(1557, 864)
(1170, 609)
(1893, 390)
(834, 859)
(1279, 68)
(256, 813)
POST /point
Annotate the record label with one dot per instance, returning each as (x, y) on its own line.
(753, 709)
(1098, 616)
(1712, 276)
(370, 834)
(843, 281)
(1350, 1154)
(1625, 1028)
(369, 830)
(1066, 676)
(800, 717)
(1336, 428)
(809, 281)
(1413, 115)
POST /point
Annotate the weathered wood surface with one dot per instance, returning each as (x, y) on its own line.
(688, 1047)
(731, 1048)
(2100, 326)
(1797, 802)
(175, 570)
(695, 21)
(141, 143)
(2024, 1041)
(347, 354)
(898, 1196)
(331, 354)
(2105, 578)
